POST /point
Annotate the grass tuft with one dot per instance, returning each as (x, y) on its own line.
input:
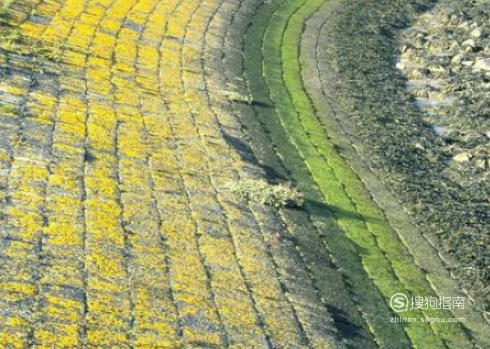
(238, 97)
(275, 195)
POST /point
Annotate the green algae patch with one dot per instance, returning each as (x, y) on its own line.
(384, 256)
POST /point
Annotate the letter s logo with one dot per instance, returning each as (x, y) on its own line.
(399, 302)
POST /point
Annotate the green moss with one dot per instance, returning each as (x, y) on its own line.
(298, 131)
(5, 6)
(371, 305)
(8, 109)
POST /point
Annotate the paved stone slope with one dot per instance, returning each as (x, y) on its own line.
(115, 229)
(118, 139)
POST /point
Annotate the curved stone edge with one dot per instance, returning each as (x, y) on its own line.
(315, 68)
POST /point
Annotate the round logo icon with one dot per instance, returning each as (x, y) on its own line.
(399, 302)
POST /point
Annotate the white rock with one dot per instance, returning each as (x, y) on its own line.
(476, 33)
(457, 59)
(462, 157)
(416, 74)
(482, 163)
(470, 43)
(482, 64)
(400, 66)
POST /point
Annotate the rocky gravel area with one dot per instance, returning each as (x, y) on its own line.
(422, 117)
(445, 57)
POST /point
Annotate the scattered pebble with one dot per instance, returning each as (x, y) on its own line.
(453, 50)
(462, 157)
(476, 33)
(468, 45)
(482, 64)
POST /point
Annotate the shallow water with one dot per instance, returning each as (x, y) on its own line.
(440, 130)
(430, 102)
(415, 84)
